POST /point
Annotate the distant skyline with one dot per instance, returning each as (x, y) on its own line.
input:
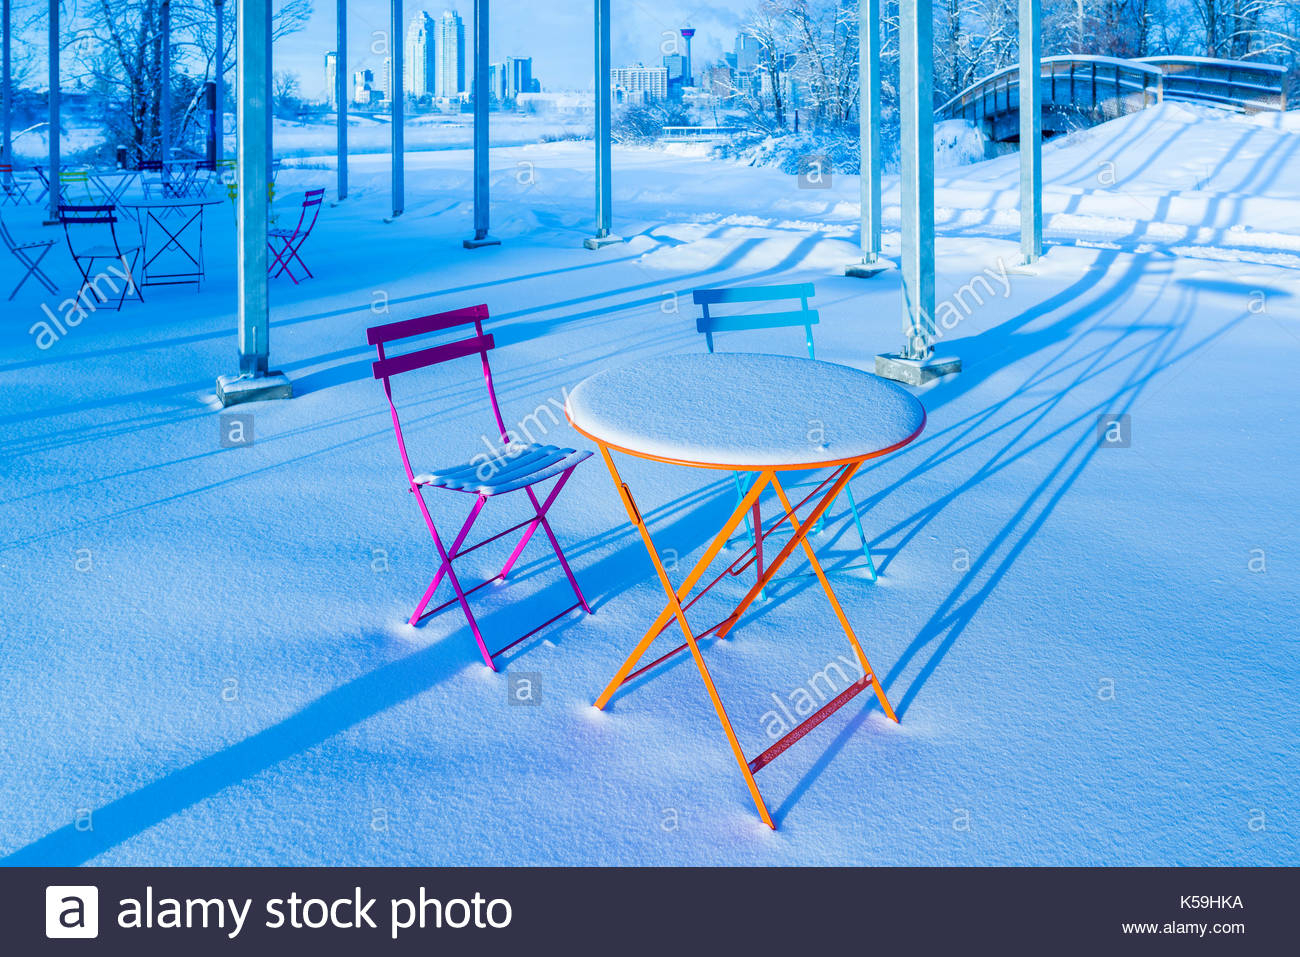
(559, 40)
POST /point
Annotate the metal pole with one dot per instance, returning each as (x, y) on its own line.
(604, 122)
(219, 79)
(869, 138)
(1031, 132)
(481, 94)
(252, 115)
(916, 61)
(270, 111)
(6, 135)
(916, 363)
(341, 95)
(252, 66)
(54, 112)
(398, 96)
(604, 140)
(165, 84)
(869, 117)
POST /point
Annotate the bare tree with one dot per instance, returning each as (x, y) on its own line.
(769, 26)
(116, 47)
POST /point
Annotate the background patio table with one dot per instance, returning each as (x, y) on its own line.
(740, 412)
(113, 184)
(166, 227)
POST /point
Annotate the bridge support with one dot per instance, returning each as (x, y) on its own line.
(1031, 132)
(916, 364)
(869, 140)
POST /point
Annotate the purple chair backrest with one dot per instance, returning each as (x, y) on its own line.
(385, 367)
(87, 215)
(103, 217)
(310, 201)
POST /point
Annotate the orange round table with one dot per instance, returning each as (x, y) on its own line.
(741, 412)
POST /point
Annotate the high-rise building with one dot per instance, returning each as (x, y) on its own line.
(449, 47)
(509, 79)
(331, 79)
(675, 66)
(419, 55)
(363, 82)
(749, 57)
(642, 82)
(518, 76)
(749, 53)
(388, 79)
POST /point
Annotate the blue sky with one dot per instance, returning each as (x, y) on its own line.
(557, 35)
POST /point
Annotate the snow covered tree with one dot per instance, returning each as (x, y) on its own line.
(117, 49)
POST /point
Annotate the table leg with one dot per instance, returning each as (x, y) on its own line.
(692, 578)
(674, 603)
(675, 609)
(800, 535)
(835, 602)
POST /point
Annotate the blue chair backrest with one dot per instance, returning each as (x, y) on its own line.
(805, 316)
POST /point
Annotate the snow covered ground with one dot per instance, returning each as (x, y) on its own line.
(1093, 650)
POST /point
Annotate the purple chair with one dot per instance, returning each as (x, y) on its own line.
(514, 467)
(97, 227)
(12, 190)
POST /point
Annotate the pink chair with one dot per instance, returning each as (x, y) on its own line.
(514, 467)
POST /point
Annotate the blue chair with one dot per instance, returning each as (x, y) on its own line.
(710, 324)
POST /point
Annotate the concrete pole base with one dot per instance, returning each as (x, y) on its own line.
(234, 389)
(915, 371)
(868, 270)
(599, 242)
(480, 243)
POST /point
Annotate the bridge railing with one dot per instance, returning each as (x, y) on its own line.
(1105, 86)
(1236, 84)
(698, 132)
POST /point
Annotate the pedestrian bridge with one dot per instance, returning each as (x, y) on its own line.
(1081, 91)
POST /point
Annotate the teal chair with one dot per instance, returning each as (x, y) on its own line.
(710, 324)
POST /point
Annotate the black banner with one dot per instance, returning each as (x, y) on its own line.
(640, 910)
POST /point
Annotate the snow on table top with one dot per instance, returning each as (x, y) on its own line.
(738, 410)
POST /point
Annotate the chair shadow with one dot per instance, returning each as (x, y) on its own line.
(332, 713)
(359, 699)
